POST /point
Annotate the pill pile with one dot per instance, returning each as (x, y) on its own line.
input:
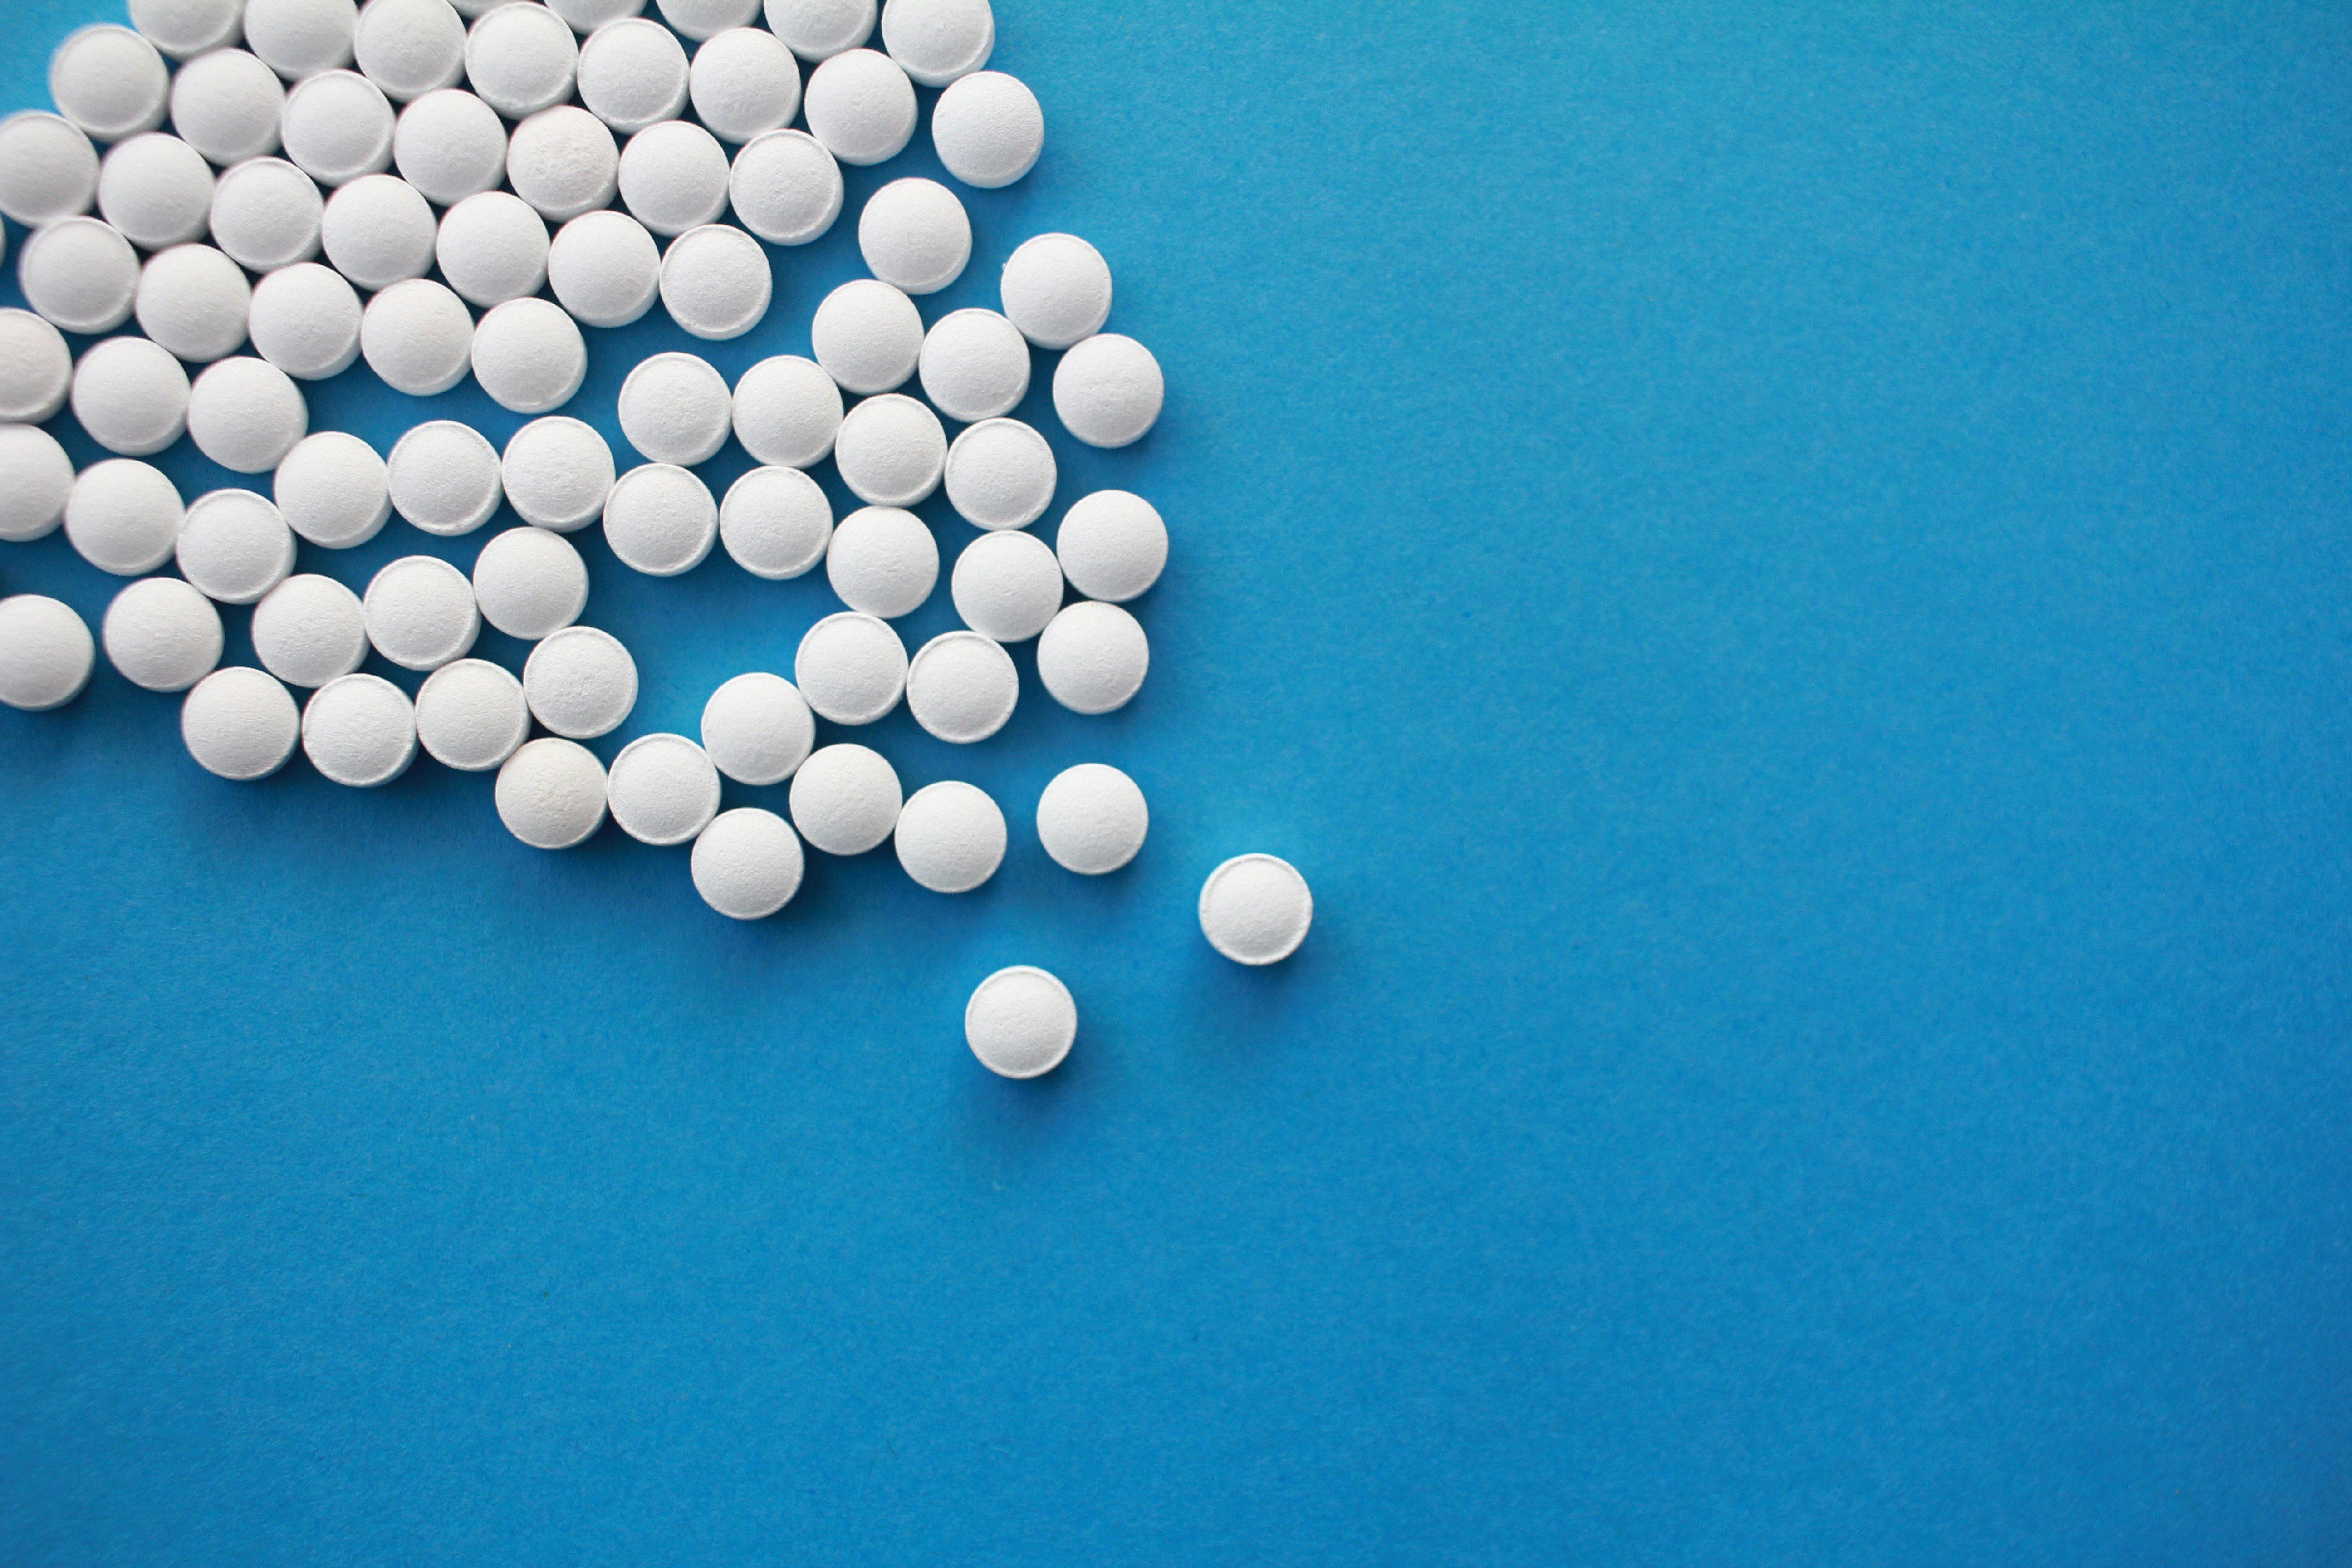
(272, 192)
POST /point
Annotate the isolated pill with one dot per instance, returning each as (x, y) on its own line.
(228, 105)
(787, 410)
(233, 546)
(867, 335)
(492, 248)
(305, 320)
(949, 836)
(820, 29)
(662, 790)
(882, 561)
(914, 234)
(123, 517)
(421, 612)
(49, 170)
(1255, 909)
(974, 365)
(845, 799)
(673, 176)
(715, 281)
(109, 81)
(1000, 474)
(360, 730)
(379, 230)
(891, 450)
(79, 274)
(1107, 389)
(240, 723)
(757, 729)
(157, 190)
(987, 130)
(266, 213)
(860, 104)
(35, 479)
(333, 489)
(36, 370)
(338, 125)
(529, 355)
(581, 682)
(563, 162)
(961, 687)
(1056, 289)
(747, 864)
(300, 38)
(46, 653)
(131, 396)
(586, 15)
(1093, 657)
(699, 19)
(450, 145)
(410, 48)
(161, 635)
(471, 716)
(786, 188)
(418, 337)
(443, 477)
(1021, 1022)
(1113, 545)
(520, 59)
(551, 794)
(182, 30)
(558, 471)
(604, 269)
(1092, 820)
(776, 522)
(246, 414)
(633, 73)
(660, 520)
(675, 408)
(309, 630)
(744, 81)
(1007, 585)
(851, 669)
(531, 582)
(194, 301)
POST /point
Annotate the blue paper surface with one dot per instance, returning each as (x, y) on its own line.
(1781, 569)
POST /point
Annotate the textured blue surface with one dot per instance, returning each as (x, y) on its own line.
(1781, 568)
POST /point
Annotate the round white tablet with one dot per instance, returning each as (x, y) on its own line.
(938, 41)
(305, 320)
(161, 633)
(194, 301)
(674, 176)
(746, 863)
(309, 630)
(563, 162)
(1107, 390)
(785, 186)
(744, 81)
(1021, 1022)
(492, 248)
(520, 59)
(1000, 474)
(1093, 658)
(867, 335)
(36, 371)
(418, 337)
(449, 145)
(757, 729)
(914, 234)
(470, 715)
(961, 687)
(660, 520)
(882, 562)
(1112, 545)
(675, 408)
(820, 29)
(360, 730)
(975, 365)
(950, 838)
(632, 74)
(266, 213)
(1056, 289)
(787, 410)
(845, 799)
(1092, 820)
(123, 517)
(338, 126)
(157, 190)
(851, 669)
(604, 269)
(443, 477)
(715, 281)
(586, 15)
(109, 81)
(699, 19)
(131, 396)
(239, 723)
(558, 471)
(182, 30)
(333, 489)
(581, 682)
(36, 479)
(987, 130)
(861, 106)
(776, 522)
(378, 231)
(81, 274)
(891, 450)
(551, 794)
(49, 170)
(1255, 909)
(228, 105)
(529, 356)
(662, 790)
(531, 582)
(1007, 585)
(245, 415)
(301, 37)
(421, 614)
(410, 48)
(233, 546)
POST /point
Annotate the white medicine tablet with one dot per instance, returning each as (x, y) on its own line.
(300, 38)
(715, 281)
(776, 522)
(882, 562)
(558, 471)
(338, 125)
(333, 489)
(421, 612)
(360, 730)
(470, 715)
(245, 415)
(309, 630)
(266, 213)
(182, 30)
(228, 105)
(851, 669)
(410, 48)
(785, 186)
(1000, 474)
(975, 365)
(233, 546)
(914, 234)
(46, 653)
(531, 582)
(867, 335)
(674, 176)
(1007, 585)
(1021, 1022)
(632, 74)
(123, 517)
(861, 106)
(418, 337)
(604, 269)
(662, 790)
(757, 729)
(1107, 390)
(520, 59)
(378, 231)
(746, 863)
(49, 170)
(1093, 658)
(1255, 909)
(529, 356)
(820, 29)
(36, 371)
(109, 81)
(563, 162)
(675, 408)
(961, 687)
(786, 411)
(1112, 545)
(1092, 820)
(891, 450)
(131, 396)
(987, 130)
(239, 723)
(551, 794)
(744, 81)
(36, 479)
(157, 190)
(699, 19)
(586, 16)
(161, 633)
(845, 799)
(305, 320)
(194, 301)
(81, 274)
(443, 476)
(492, 248)
(1056, 289)
(950, 838)
(660, 520)
(449, 145)
(581, 682)
(938, 41)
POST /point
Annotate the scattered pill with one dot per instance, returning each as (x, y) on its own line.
(123, 517)
(701, 19)
(891, 450)
(604, 269)
(861, 106)
(867, 335)
(558, 471)
(1255, 909)
(194, 301)
(845, 799)
(79, 274)
(586, 15)
(949, 837)
(551, 794)
(1112, 545)
(1021, 1022)
(1056, 289)
(819, 29)
(938, 42)
(360, 730)
(240, 723)
(786, 411)
(715, 281)
(563, 162)
(443, 477)
(1000, 474)
(450, 145)
(520, 57)
(338, 125)
(675, 408)
(378, 231)
(1093, 658)
(109, 82)
(747, 864)
(1007, 585)
(300, 38)
(182, 30)
(744, 81)
(757, 729)
(161, 635)
(233, 546)
(882, 562)
(662, 790)
(492, 248)
(851, 669)
(674, 176)
(785, 186)
(471, 716)
(309, 630)
(531, 582)
(421, 612)
(246, 414)
(1107, 390)
(36, 370)
(632, 74)
(1092, 820)
(228, 105)
(529, 356)
(266, 213)
(660, 520)
(410, 48)
(418, 337)
(305, 320)
(36, 479)
(987, 130)
(157, 190)
(915, 235)
(961, 687)
(581, 682)
(49, 170)
(974, 364)
(333, 489)
(131, 396)
(776, 522)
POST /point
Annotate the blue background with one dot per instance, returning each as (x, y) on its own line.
(1782, 571)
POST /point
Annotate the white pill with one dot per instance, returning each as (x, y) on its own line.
(1007, 585)
(123, 517)
(49, 170)
(586, 15)
(36, 479)
(558, 471)
(471, 716)
(938, 42)
(744, 81)
(867, 335)
(675, 408)
(529, 356)
(632, 74)
(1000, 474)
(1255, 909)
(131, 396)
(520, 59)
(182, 30)
(338, 125)
(36, 370)
(1021, 1022)
(975, 364)
(915, 235)
(443, 477)
(820, 29)
(492, 248)
(851, 669)
(333, 489)
(531, 582)
(660, 520)
(776, 522)
(379, 231)
(161, 633)
(1092, 820)
(674, 176)
(81, 274)
(786, 411)
(891, 450)
(360, 730)
(46, 653)
(581, 682)
(1056, 289)
(1093, 658)
(987, 130)
(950, 838)
(757, 729)
(266, 213)
(861, 106)
(604, 269)
(662, 790)
(449, 145)
(785, 186)
(845, 799)
(1112, 545)
(305, 320)
(699, 19)
(239, 723)
(228, 105)
(157, 190)
(300, 38)
(551, 794)
(1107, 389)
(961, 687)
(109, 81)
(563, 162)
(746, 863)
(410, 48)
(715, 281)
(233, 546)
(418, 337)
(194, 301)
(421, 614)
(309, 630)
(882, 562)
(245, 415)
